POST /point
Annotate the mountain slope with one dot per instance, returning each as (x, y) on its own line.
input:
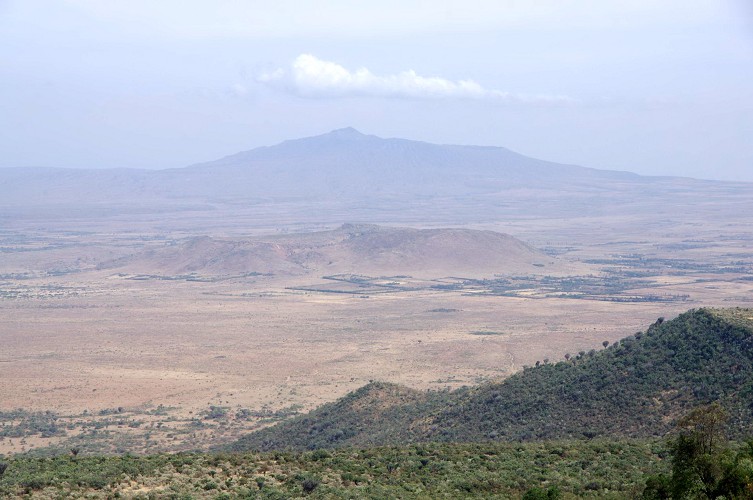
(634, 388)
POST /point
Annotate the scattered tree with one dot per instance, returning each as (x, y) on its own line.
(703, 466)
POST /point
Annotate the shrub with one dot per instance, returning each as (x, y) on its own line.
(552, 493)
(309, 484)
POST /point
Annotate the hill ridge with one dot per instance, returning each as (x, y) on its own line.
(634, 388)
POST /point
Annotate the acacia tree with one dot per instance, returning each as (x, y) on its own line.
(706, 427)
(703, 466)
(698, 449)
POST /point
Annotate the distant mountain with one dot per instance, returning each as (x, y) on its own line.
(342, 163)
(346, 175)
(637, 387)
(348, 163)
(352, 248)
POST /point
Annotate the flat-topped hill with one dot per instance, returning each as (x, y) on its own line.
(352, 248)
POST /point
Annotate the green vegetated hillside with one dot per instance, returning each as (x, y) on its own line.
(637, 387)
(566, 470)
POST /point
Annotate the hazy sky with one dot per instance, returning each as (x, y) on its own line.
(651, 86)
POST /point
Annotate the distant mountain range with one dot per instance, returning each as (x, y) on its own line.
(637, 387)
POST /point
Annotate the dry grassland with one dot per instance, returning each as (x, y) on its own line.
(147, 357)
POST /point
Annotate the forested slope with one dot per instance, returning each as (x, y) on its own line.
(636, 387)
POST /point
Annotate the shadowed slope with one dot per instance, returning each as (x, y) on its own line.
(375, 414)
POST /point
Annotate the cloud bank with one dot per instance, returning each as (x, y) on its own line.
(309, 76)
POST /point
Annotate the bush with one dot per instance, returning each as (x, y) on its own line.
(657, 488)
(309, 484)
(551, 493)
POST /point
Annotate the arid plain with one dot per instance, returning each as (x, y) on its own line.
(106, 345)
(177, 309)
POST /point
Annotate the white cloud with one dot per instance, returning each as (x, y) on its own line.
(310, 76)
